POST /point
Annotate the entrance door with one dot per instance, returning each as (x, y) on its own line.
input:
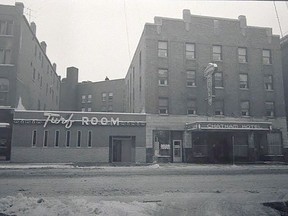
(177, 151)
(123, 149)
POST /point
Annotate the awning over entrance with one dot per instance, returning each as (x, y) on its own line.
(229, 126)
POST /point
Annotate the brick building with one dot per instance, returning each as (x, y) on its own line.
(284, 50)
(238, 112)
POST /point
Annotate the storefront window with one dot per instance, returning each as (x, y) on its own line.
(199, 146)
(274, 144)
(162, 138)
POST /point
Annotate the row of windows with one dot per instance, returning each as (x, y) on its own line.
(57, 139)
(217, 54)
(104, 96)
(217, 77)
(104, 108)
(88, 98)
(218, 107)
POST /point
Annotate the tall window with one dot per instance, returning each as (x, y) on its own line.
(110, 96)
(274, 144)
(6, 27)
(266, 56)
(89, 98)
(268, 82)
(68, 138)
(45, 139)
(78, 139)
(190, 51)
(89, 140)
(104, 95)
(191, 78)
(219, 107)
(218, 79)
(245, 108)
(110, 108)
(191, 107)
(243, 81)
(83, 99)
(163, 105)
(4, 90)
(217, 53)
(34, 138)
(242, 55)
(269, 106)
(56, 140)
(5, 56)
(163, 77)
(162, 49)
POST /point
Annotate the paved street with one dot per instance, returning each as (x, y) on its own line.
(170, 189)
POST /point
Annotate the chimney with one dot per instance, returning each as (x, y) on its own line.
(44, 46)
(54, 66)
(187, 18)
(19, 7)
(33, 27)
(243, 22)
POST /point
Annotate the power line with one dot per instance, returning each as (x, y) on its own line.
(278, 19)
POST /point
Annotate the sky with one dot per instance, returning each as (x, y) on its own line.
(99, 37)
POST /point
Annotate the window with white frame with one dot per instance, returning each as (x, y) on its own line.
(217, 53)
(78, 139)
(6, 27)
(83, 99)
(110, 96)
(104, 96)
(219, 108)
(162, 49)
(269, 106)
(242, 55)
(266, 56)
(89, 98)
(89, 109)
(163, 106)
(268, 82)
(274, 144)
(45, 139)
(56, 139)
(190, 50)
(191, 78)
(218, 79)
(5, 56)
(34, 138)
(163, 77)
(245, 108)
(191, 107)
(243, 81)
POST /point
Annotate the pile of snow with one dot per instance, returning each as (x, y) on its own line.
(71, 206)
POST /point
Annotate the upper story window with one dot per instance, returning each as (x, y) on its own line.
(104, 96)
(245, 108)
(268, 82)
(89, 98)
(218, 79)
(190, 51)
(163, 105)
(110, 96)
(217, 53)
(162, 49)
(191, 78)
(243, 81)
(269, 106)
(6, 27)
(242, 55)
(4, 90)
(5, 56)
(219, 108)
(163, 77)
(191, 107)
(83, 99)
(266, 56)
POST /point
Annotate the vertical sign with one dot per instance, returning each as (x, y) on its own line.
(208, 74)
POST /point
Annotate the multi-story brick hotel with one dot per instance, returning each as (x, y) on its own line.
(198, 89)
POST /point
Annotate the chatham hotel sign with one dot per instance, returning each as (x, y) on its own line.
(218, 125)
(69, 120)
